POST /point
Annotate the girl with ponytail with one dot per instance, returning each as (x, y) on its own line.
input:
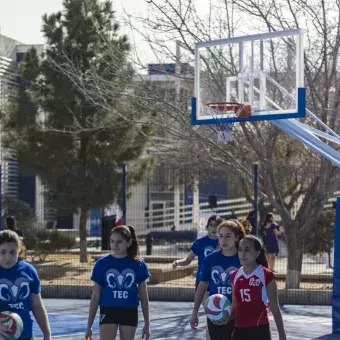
(215, 273)
(254, 287)
(119, 286)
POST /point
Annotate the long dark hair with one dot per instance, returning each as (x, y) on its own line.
(9, 236)
(212, 218)
(269, 216)
(262, 258)
(129, 234)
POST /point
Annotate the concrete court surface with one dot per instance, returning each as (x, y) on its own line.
(170, 320)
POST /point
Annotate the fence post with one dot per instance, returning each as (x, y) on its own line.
(124, 194)
(255, 183)
(195, 201)
(336, 273)
(148, 242)
(177, 205)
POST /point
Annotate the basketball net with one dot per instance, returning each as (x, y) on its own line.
(221, 111)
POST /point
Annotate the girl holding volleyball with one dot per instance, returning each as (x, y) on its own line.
(216, 271)
(254, 285)
(119, 286)
(201, 248)
(20, 286)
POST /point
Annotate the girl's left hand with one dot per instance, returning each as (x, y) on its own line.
(146, 332)
(47, 337)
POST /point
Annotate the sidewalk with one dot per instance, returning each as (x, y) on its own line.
(170, 321)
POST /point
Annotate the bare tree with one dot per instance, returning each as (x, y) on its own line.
(321, 64)
(289, 171)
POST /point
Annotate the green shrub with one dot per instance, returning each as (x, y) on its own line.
(46, 242)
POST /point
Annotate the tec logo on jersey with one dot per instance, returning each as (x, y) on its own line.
(221, 279)
(14, 292)
(119, 282)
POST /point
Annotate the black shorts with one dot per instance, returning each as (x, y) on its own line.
(119, 315)
(223, 332)
(259, 332)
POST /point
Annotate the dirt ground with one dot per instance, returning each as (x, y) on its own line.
(189, 281)
(65, 269)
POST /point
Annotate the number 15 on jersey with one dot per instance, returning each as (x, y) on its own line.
(245, 295)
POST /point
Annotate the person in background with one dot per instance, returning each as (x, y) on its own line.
(251, 217)
(270, 231)
(247, 226)
(10, 224)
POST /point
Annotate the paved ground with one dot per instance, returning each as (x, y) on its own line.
(170, 320)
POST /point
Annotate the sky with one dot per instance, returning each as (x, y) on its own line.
(21, 19)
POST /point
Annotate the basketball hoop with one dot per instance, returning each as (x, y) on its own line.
(232, 111)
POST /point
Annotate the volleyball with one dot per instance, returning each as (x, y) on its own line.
(217, 307)
(11, 326)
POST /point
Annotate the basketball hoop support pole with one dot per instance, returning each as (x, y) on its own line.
(336, 274)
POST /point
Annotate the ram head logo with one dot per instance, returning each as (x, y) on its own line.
(208, 250)
(13, 292)
(125, 279)
(220, 276)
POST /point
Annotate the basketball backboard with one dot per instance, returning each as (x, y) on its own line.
(265, 71)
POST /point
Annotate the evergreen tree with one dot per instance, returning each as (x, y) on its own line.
(75, 145)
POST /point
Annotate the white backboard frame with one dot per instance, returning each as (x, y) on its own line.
(200, 112)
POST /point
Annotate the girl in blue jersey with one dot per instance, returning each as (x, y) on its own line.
(201, 248)
(119, 285)
(20, 286)
(216, 271)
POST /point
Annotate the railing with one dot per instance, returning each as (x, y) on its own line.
(165, 217)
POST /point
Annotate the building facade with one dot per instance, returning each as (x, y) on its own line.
(15, 183)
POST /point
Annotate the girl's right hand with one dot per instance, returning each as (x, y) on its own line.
(194, 321)
(174, 264)
(88, 334)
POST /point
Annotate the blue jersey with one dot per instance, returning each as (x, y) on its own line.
(119, 279)
(202, 247)
(216, 270)
(16, 286)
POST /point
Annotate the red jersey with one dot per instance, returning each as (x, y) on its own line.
(250, 293)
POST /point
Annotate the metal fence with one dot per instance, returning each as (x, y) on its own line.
(178, 205)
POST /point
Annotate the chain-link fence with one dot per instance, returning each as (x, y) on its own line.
(169, 211)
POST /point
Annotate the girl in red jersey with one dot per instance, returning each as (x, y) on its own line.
(254, 285)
